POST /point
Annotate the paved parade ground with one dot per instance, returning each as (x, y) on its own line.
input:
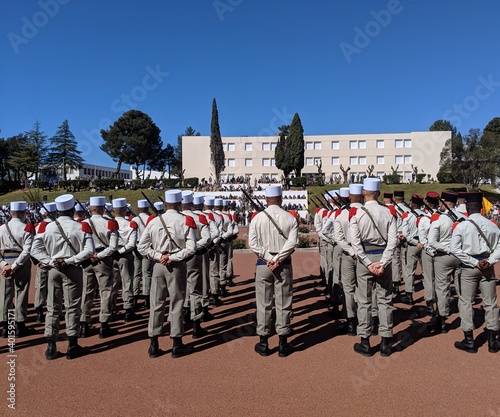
(225, 377)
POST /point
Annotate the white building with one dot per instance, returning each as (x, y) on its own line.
(92, 171)
(253, 156)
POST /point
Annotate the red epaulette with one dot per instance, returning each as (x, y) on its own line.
(130, 218)
(455, 224)
(230, 217)
(352, 212)
(337, 212)
(42, 227)
(494, 222)
(253, 215)
(133, 225)
(211, 216)
(151, 217)
(393, 211)
(324, 214)
(202, 219)
(434, 217)
(79, 220)
(30, 228)
(293, 213)
(221, 216)
(465, 214)
(86, 228)
(418, 220)
(405, 215)
(113, 225)
(190, 222)
(317, 209)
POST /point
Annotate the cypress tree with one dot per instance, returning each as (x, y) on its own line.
(217, 156)
(296, 144)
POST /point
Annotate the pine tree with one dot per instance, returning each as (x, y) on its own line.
(296, 144)
(63, 150)
(217, 156)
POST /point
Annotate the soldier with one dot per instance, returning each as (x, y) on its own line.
(373, 239)
(476, 243)
(318, 223)
(399, 252)
(169, 240)
(347, 264)
(143, 267)
(42, 274)
(445, 264)
(159, 208)
(193, 301)
(273, 236)
(427, 260)
(226, 234)
(123, 265)
(409, 237)
(99, 275)
(214, 252)
(62, 247)
(16, 239)
(80, 213)
(234, 224)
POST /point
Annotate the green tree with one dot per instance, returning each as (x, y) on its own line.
(452, 153)
(217, 157)
(296, 144)
(282, 154)
(490, 144)
(165, 160)
(63, 152)
(133, 139)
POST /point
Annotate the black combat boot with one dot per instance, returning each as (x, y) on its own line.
(84, 330)
(408, 299)
(230, 282)
(74, 349)
(154, 349)
(467, 344)
(443, 328)
(51, 352)
(106, 331)
(179, 349)
(215, 301)
(395, 289)
(39, 314)
(351, 326)
(430, 308)
(207, 316)
(135, 303)
(223, 291)
(5, 329)
(363, 348)
(22, 330)
(285, 348)
(198, 331)
(386, 347)
(374, 327)
(262, 348)
(186, 314)
(147, 303)
(493, 342)
(130, 315)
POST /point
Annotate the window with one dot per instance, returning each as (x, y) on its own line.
(248, 162)
(362, 144)
(380, 174)
(399, 143)
(335, 160)
(274, 176)
(353, 160)
(273, 146)
(231, 162)
(398, 159)
(309, 146)
(407, 143)
(273, 162)
(353, 144)
(407, 159)
(266, 162)
(380, 144)
(362, 160)
(309, 161)
(230, 147)
(224, 147)
(335, 144)
(317, 146)
(266, 146)
(248, 147)
(380, 160)
(317, 161)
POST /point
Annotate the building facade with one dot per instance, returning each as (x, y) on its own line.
(253, 156)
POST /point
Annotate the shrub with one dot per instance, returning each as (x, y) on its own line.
(304, 242)
(108, 183)
(239, 244)
(171, 182)
(41, 184)
(147, 183)
(392, 178)
(190, 182)
(303, 229)
(420, 178)
(299, 181)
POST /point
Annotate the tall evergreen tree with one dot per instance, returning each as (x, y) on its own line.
(37, 148)
(490, 145)
(282, 155)
(451, 154)
(63, 151)
(217, 156)
(296, 144)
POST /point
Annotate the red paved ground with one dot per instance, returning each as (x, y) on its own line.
(324, 377)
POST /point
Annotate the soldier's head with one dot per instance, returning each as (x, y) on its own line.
(198, 201)
(159, 207)
(173, 199)
(18, 210)
(449, 199)
(65, 205)
(432, 199)
(474, 202)
(143, 206)
(120, 207)
(187, 200)
(50, 209)
(209, 202)
(274, 195)
(388, 198)
(371, 188)
(399, 196)
(97, 205)
(356, 193)
(416, 201)
(79, 211)
(218, 204)
(462, 196)
(225, 205)
(343, 195)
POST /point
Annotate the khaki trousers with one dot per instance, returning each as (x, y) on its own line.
(223, 260)
(167, 280)
(230, 270)
(428, 271)
(67, 286)
(143, 269)
(277, 283)
(205, 279)
(470, 278)
(42, 276)
(16, 287)
(368, 284)
(214, 255)
(348, 277)
(123, 270)
(444, 266)
(100, 277)
(194, 287)
(412, 255)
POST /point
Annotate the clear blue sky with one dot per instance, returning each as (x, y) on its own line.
(331, 61)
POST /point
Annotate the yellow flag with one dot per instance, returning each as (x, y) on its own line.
(487, 205)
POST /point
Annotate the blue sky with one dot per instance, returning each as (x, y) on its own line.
(344, 66)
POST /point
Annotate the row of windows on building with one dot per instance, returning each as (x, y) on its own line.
(335, 160)
(104, 173)
(316, 146)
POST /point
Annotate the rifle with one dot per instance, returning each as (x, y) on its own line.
(333, 199)
(347, 203)
(452, 215)
(150, 203)
(430, 210)
(399, 210)
(319, 203)
(411, 209)
(87, 214)
(257, 206)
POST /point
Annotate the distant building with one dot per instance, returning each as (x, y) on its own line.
(86, 171)
(253, 156)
